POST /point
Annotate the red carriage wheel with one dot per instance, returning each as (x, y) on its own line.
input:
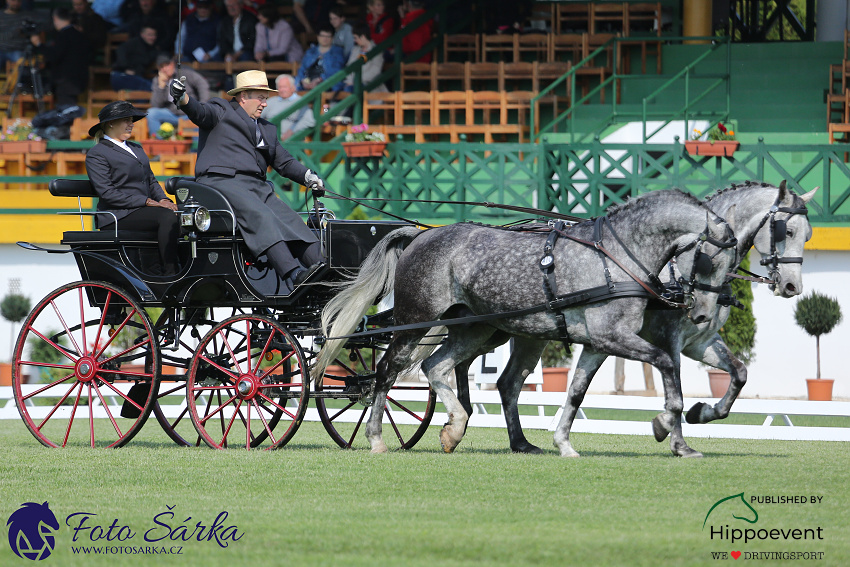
(84, 345)
(247, 376)
(408, 412)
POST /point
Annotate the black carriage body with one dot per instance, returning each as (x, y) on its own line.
(222, 272)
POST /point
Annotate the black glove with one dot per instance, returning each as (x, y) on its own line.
(315, 183)
(176, 89)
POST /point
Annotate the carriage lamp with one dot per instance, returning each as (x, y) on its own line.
(195, 215)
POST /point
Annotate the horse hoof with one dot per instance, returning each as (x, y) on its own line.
(693, 415)
(379, 449)
(528, 448)
(570, 453)
(446, 442)
(659, 430)
(688, 453)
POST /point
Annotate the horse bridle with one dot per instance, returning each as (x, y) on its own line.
(702, 261)
(777, 234)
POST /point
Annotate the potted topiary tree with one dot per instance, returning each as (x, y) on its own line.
(738, 332)
(14, 307)
(817, 315)
(556, 372)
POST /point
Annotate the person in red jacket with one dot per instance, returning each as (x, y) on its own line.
(416, 38)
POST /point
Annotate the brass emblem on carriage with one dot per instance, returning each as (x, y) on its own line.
(182, 193)
(213, 257)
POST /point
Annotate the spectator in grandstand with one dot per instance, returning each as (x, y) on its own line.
(312, 14)
(162, 107)
(67, 58)
(151, 13)
(134, 61)
(12, 43)
(381, 23)
(109, 10)
(237, 32)
(296, 122)
(320, 62)
(342, 31)
(415, 39)
(121, 175)
(90, 24)
(363, 44)
(275, 39)
(199, 34)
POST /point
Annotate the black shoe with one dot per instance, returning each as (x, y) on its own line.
(300, 275)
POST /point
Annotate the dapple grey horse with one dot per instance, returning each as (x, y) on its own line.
(466, 270)
(771, 219)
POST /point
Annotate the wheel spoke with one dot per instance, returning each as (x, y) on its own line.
(233, 356)
(356, 428)
(65, 326)
(56, 407)
(103, 313)
(91, 418)
(263, 419)
(121, 394)
(405, 409)
(225, 370)
(389, 415)
(108, 413)
(278, 406)
(47, 387)
(220, 407)
(229, 425)
(73, 413)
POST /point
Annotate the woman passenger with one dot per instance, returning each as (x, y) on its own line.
(121, 175)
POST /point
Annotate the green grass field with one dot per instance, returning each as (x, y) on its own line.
(627, 501)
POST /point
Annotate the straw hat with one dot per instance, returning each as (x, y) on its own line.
(115, 111)
(251, 81)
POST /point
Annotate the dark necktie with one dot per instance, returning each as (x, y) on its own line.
(260, 142)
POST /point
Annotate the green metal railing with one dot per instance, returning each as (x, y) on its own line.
(617, 114)
(582, 178)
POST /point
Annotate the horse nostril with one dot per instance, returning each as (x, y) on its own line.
(699, 319)
(790, 288)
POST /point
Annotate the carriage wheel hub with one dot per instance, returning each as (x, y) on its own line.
(86, 369)
(247, 386)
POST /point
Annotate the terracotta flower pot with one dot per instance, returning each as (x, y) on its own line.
(556, 379)
(338, 372)
(718, 381)
(364, 149)
(5, 374)
(23, 147)
(724, 148)
(819, 390)
(155, 147)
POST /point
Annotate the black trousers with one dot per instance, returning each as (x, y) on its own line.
(167, 227)
(285, 256)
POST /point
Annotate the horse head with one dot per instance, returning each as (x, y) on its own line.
(704, 264)
(781, 239)
(30, 530)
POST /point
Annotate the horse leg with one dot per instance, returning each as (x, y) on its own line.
(524, 356)
(460, 345)
(462, 380)
(585, 368)
(394, 361)
(717, 354)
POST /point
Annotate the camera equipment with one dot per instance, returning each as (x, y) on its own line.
(28, 79)
(28, 28)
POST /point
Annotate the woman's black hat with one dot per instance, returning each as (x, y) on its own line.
(116, 111)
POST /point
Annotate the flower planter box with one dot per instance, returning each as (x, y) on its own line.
(23, 147)
(157, 147)
(364, 149)
(723, 148)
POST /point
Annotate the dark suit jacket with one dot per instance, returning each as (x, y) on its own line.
(123, 182)
(68, 59)
(227, 142)
(247, 31)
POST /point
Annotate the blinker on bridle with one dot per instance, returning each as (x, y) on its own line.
(702, 261)
(778, 229)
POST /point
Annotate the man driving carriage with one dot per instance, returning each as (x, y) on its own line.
(235, 149)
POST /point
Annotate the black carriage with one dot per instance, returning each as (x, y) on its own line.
(219, 345)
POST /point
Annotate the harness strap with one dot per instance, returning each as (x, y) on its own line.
(650, 276)
(550, 284)
(597, 243)
(593, 295)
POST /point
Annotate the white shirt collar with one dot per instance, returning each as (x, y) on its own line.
(121, 144)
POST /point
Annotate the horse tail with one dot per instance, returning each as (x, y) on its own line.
(375, 280)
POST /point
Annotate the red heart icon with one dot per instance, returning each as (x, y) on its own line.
(736, 554)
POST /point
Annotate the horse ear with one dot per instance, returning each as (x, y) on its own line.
(808, 196)
(783, 191)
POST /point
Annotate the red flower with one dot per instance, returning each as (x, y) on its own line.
(721, 127)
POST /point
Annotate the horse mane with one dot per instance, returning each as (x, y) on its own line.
(674, 194)
(749, 184)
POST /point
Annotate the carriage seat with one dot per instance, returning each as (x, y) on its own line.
(84, 188)
(222, 215)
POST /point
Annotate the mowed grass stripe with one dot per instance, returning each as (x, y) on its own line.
(627, 501)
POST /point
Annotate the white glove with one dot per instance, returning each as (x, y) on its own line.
(313, 181)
